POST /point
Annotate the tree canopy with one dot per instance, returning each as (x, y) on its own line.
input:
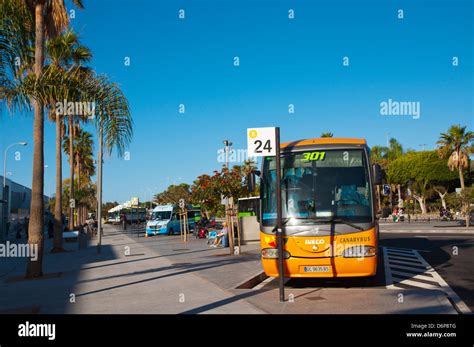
(421, 168)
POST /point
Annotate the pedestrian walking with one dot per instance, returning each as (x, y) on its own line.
(50, 228)
(17, 228)
(123, 219)
(27, 224)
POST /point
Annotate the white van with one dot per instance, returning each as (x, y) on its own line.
(165, 220)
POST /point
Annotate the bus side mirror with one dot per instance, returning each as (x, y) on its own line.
(251, 180)
(377, 171)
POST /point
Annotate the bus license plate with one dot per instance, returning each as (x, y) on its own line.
(316, 269)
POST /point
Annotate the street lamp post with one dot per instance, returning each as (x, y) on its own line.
(99, 190)
(4, 192)
(227, 144)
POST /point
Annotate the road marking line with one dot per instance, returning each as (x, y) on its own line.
(396, 276)
(414, 283)
(403, 255)
(400, 251)
(263, 283)
(458, 302)
(418, 270)
(388, 275)
(405, 260)
(400, 274)
(414, 266)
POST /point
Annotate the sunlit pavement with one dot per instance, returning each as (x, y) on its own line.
(418, 273)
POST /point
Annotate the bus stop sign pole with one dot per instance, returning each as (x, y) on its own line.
(281, 273)
(265, 142)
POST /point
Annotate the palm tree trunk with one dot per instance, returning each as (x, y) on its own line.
(400, 200)
(461, 180)
(71, 171)
(78, 186)
(379, 205)
(461, 176)
(58, 224)
(35, 230)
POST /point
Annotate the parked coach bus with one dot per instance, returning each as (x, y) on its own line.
(328, 211)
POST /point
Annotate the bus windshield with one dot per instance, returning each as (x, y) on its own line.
(318, 186)
(161, 215)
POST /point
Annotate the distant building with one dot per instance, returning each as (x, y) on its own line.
(15, 205)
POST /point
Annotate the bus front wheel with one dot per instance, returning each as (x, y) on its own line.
(170, 232)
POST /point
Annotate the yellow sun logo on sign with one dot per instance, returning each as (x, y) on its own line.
(253, 133)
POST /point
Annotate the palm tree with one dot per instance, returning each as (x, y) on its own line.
(63, 52)
(82, 154)
(456, 144)
(394, 150)
(378, 154)
(18, 18)
(383, 155)
(42, 19)
(327, 134)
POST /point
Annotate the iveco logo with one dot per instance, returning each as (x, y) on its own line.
(314, 242)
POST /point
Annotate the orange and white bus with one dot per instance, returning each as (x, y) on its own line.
(328, 209)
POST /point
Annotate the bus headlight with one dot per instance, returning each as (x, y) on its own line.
(272, 253)
(359, 251)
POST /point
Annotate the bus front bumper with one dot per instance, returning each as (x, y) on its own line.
(322, 267)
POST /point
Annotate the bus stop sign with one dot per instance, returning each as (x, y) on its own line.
(261, 142)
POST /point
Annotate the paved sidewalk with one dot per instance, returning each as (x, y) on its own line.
(165, 275)
(113, 282)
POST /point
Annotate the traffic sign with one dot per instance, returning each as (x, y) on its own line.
(261, 142)
(386, 189)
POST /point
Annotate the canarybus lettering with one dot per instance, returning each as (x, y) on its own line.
(354, 239)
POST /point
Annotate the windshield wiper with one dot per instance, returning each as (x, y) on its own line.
(342, 221)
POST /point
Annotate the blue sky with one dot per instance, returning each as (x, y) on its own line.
(282, 61)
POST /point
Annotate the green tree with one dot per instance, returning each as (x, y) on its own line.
(327, 134)
(383, 156)
(174, 193)
(204, 192)
(420, 172)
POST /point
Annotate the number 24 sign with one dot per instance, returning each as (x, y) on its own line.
(261, 142)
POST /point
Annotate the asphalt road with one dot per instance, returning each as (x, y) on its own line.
(445, 246)
(451, 255)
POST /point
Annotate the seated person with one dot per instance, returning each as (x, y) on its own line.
(351, 202)
(220, 235)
